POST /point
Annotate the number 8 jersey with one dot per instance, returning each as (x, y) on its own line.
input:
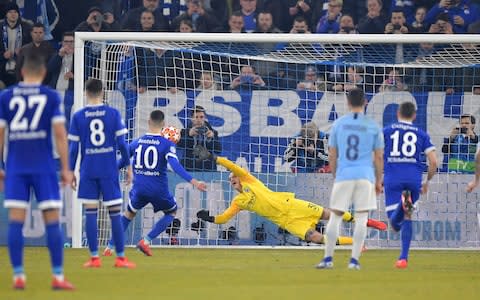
(405, 146)
(28, 111)
(100, 130)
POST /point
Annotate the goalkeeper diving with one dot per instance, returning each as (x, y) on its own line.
(299, 217)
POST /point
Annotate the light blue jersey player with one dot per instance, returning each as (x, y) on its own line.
(405, 146)
(99, 131)
(356, 159)
(31, 112)
(152, 153)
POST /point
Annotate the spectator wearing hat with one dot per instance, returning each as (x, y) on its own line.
(15, 33)
(95, 21)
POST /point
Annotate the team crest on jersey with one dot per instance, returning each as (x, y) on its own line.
(173, 149)
(246, 190)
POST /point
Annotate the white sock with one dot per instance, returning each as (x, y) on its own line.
(59, 277)
(359, 233)
(331, 232)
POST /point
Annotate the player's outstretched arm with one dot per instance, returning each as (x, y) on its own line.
(474, 183)
(221, 218)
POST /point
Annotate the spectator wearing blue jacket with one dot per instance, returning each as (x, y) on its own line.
(461, 14)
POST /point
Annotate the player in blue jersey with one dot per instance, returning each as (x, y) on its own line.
(356, 159)
(99, 131)
(152, 153)
(31, 112)
(405, 144)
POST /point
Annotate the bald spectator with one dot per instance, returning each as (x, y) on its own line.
(131, 20)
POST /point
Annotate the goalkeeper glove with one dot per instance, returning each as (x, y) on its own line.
(205, 216)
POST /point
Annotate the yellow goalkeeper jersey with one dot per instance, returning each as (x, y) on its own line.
(255, 197)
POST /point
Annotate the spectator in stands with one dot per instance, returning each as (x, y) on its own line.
(265, 23)
(398, 23)
(460, 14)
(38, 46)
(247, 79)
(280, 14)
(207, 82)
(201, 19)
(131, 20)
(185, 26)
(460, 147)
(95, 21)
(330, 22)
(45, 12)
(300, 8)
(374, 21)
(235, 23)
(300, 25)
(355, 78)
(393, 83)
(249, 12)
(14, 34)
(147, 21)
(173, 8)
(109, 18)
(60, 68)
(308, 152)
(441, 25)
(419, 25)
(311, 81)
(410, 7)
(198, 132)
(347, 25)
(474, 28)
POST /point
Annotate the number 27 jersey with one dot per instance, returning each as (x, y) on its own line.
(405, 146)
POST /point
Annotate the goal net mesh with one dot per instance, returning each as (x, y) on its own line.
(259, 95)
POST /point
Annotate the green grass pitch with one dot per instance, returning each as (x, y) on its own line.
(177, 273)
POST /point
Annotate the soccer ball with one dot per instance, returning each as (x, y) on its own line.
(171, 133)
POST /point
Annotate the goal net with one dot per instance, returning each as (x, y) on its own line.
(272, 100)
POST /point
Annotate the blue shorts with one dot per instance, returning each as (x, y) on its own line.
(166, 203)
(90, 190)
(393, 194)
(45, 186)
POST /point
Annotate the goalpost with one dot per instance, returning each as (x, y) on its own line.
(257, 118)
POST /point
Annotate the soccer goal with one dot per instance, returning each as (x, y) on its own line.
(259, 91)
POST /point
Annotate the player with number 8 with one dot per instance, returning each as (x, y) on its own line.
(99, 132)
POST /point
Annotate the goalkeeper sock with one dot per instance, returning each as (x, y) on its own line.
(347, 217)
(15, 246)
(118, 234)
(344, 240)
(91, 230)
(397, 217)
(160, 226)
(55, 247)
(406, 236)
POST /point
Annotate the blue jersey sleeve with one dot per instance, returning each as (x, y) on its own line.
(57, 116)
(177, 168)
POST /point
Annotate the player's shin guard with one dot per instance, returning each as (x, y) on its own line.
(55, 246)
(91, 230)
(347, 217)
(15, 246)
(406, 236)
(359, 233)
(117, 232)
(160, 227)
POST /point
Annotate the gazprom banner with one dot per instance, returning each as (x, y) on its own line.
(447, 218)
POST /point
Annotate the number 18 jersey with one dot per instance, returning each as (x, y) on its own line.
(97, 127)
(405, 145)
